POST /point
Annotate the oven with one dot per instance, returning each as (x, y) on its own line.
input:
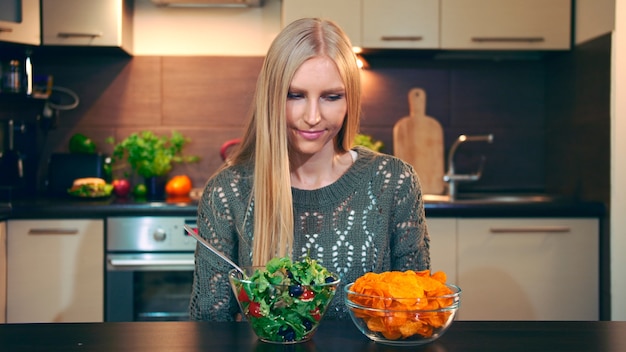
(149, 268)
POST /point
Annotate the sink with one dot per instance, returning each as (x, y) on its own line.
(491, 198)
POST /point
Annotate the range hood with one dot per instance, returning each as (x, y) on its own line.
(208, 3)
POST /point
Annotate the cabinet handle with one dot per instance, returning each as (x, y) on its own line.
(120, 263)
(78, 35)
(553, 229)
(53, 231)
(6, 29)
(508, 39)
(392, 38)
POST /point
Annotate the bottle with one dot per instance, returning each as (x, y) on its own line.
(12, 78)
(28, 78)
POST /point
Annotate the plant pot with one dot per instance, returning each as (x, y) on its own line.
(155, 187)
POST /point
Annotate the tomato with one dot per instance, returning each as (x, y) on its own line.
(315, 314)
(254, 310)
(307, 295)
(243, 295)
(178, 186)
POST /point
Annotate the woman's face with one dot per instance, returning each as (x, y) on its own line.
(316, 106)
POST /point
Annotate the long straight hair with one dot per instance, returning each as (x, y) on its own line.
(265, 140)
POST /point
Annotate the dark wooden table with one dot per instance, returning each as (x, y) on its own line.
(331, 336)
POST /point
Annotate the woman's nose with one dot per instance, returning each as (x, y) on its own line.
(312, 114)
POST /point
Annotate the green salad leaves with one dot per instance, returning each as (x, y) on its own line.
(285, 301)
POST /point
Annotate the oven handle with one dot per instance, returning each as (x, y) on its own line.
(124, 263)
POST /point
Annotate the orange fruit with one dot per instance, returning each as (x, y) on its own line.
(178, 186)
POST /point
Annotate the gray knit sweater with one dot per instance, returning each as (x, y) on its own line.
(370, 219)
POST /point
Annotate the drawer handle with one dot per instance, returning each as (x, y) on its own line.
(53, 231)
(78, 35)
(392, 38)
(552, 229)
(151, 262)
(6, 29)
(508, 39)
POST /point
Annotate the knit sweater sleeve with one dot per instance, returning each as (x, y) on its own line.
(218, 216)
(410, 241)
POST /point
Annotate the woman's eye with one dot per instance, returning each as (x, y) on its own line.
(334, 97)
(291, 95)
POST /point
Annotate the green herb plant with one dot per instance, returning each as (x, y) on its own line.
(368, 142)
(150, 155)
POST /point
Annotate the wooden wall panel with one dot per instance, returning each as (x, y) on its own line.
(208, 91)
(133, 99)
(208, 98)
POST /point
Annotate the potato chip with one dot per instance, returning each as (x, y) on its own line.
(400, 294)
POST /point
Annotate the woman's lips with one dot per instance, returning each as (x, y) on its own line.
(311, 135)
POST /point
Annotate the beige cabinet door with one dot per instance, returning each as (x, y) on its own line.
(3, 272)
(443, 239)
(20, 24)
(528, 269)
(506, 24)
(347, 14)
(55, 271)
(402, 24)
(87, 23)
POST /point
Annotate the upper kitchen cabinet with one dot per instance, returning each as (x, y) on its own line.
(401, 24)
(19, 21)
(102, 23)
(445, 24)
(345, 12)
(506, 25)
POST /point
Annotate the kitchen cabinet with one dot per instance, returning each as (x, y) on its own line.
(103, 23)
(528, 269)
(19, 22)
(520, 268)
(408, 24)
(345, 12)
(55, 271)
(3, 272)
(445, 24)
(443, 242)
(510, 24)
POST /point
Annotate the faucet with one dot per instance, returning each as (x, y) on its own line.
(450, 177)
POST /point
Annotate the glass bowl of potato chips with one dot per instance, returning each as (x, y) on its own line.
(406, 308)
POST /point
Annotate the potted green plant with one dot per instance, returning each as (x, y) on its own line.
(368, 142)
(151, 156)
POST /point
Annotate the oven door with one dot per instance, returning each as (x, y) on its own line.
(148, 286)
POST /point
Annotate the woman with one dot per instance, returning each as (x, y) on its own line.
(295, 187)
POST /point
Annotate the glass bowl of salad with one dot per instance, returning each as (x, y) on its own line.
(284, 301)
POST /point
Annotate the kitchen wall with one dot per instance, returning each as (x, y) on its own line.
(207, 98)
(195, 70)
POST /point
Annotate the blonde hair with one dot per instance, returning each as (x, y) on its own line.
(265, 139)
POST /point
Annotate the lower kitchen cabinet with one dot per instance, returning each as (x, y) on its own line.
(520, 268)
(55, 271)
(443, 239)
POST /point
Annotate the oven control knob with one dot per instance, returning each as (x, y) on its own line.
(159, 235)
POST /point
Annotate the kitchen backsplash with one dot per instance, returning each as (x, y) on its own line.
(208, 99)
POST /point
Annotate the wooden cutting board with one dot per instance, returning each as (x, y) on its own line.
(418, 140)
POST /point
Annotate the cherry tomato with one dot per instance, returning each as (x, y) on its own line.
(254, 309)
(243, 296)
(315, 314)
(307, 295)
